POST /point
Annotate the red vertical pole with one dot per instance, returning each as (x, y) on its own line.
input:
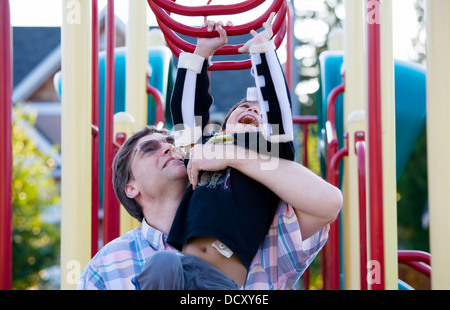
(305, 145)
(5, 146)
(110, 204)
(306, 275)
(331, 266)
(95, 122)
(375, 145)
(289, 47)
(361, 156)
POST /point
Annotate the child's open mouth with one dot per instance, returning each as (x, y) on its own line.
(249, 120)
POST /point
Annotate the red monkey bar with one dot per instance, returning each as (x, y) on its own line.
(375, 145)
(360, 150)
(95, 135)
(111, 206)
(418, 260)
(330, 254)
(5, 147)
(163, 8)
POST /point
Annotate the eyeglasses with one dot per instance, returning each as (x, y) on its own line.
(151, 146)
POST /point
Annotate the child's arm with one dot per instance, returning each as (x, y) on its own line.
(272, 89)
(191, 99)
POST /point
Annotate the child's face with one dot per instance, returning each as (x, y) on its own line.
(245, 118)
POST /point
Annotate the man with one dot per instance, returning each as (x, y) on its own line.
(150, 183)
(150, 179)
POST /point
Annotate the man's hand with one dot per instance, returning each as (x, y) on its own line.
(206, 47)
(261, 37)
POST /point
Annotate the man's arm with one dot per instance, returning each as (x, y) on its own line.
(315, 201)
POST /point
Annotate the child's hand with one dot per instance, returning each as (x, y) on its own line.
(258, 38)
(206, 47)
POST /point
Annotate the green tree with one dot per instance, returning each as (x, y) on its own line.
(35, 242)
(412, 188)
(314, 22)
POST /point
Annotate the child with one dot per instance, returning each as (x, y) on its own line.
(225, 219)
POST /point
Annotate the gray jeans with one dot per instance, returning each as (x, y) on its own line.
(169, 271)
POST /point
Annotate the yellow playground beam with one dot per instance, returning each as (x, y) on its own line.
(438, 148)
(388, 146)
(354, 115)
(137, 63)
(76, 145)
(136, 103)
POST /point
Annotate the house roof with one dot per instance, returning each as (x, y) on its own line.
(37, 55)
(31, 45)
(36, 58)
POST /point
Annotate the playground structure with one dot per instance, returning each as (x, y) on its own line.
(366, 137)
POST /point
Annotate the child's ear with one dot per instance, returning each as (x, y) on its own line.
(131, 190)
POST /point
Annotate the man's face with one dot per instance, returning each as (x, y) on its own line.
(156, 163)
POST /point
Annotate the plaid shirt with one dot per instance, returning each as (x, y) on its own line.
(278, 264)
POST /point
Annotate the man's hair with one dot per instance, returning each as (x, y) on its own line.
(122, 170)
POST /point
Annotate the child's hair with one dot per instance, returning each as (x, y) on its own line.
(225, 120)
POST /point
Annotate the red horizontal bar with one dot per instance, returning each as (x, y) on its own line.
(412, 255)
(304, 119)
(163, 17)
(216, 66)
(168, 26)
(206, 10)
(418, 260)
(419, 266)
(177, 45)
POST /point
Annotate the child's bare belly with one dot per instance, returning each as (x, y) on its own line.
(202, 248)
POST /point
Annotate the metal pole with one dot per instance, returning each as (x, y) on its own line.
(76, 144)
(375, 145)
(354, 120)
(5, 146)
(137, 63)
(111, 207)
(389, 182)
(95, 122)
(438, 146)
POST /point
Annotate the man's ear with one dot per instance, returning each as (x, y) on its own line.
(131, 190)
